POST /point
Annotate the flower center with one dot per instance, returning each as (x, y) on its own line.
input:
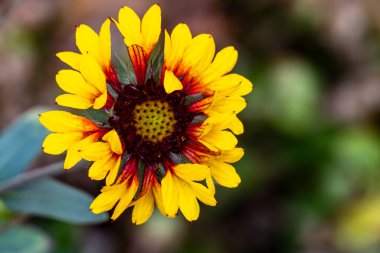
(154, 120)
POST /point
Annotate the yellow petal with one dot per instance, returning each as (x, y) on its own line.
(168, 51)
(169, 195)
(180, 39)
(105, 44)
(188, 203)
(114, 170)
(232, 84)
(151, 28)
(108, 198)
(96, 151)
(223, 63)
(100, 101)
(130, 26)
(229, 104)
(210, 184)
(224, 173)
(73, 82)
(203, 194)
(73, 155)
(126, 199)
(143, 209)
(93, 74)
(192, 172)
(231, 156)
(222, 140)
(171, 82)
(235, 125)
(199, 53)
(100, 168)
(57, 143)
(74, 101)
(114, 141)
(88, 42)
(61, 121)
(156, 188)
(70, 58)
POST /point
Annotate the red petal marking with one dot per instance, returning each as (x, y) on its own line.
(112, 78)
(194, 131)
(196, 152)
(129, 170)
(109, 103)
(137, 55)
(148, 181)
(201, 105)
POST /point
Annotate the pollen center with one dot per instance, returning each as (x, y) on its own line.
(154, 120)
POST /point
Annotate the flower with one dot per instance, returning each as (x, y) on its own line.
(163, 123)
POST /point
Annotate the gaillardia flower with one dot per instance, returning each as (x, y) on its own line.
(159, 126)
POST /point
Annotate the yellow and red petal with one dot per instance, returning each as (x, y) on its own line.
(126, 198)
(138, 59)
(61, 122)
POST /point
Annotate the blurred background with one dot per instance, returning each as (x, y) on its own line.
(311, 173)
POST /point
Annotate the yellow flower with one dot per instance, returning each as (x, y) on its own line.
(169, 126)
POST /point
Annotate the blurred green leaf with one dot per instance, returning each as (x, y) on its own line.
(289, 96)
(20, 144)
(50, 198)
(24, 240)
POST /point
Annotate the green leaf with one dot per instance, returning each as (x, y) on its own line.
(24, 239)
(50, 198)
(21, 143)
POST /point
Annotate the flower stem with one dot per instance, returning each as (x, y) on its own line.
(48, 170)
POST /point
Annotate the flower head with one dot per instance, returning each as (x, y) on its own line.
(169, 116)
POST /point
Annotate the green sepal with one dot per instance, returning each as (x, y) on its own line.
(191, 99)
(156, 61)
(125, 71)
